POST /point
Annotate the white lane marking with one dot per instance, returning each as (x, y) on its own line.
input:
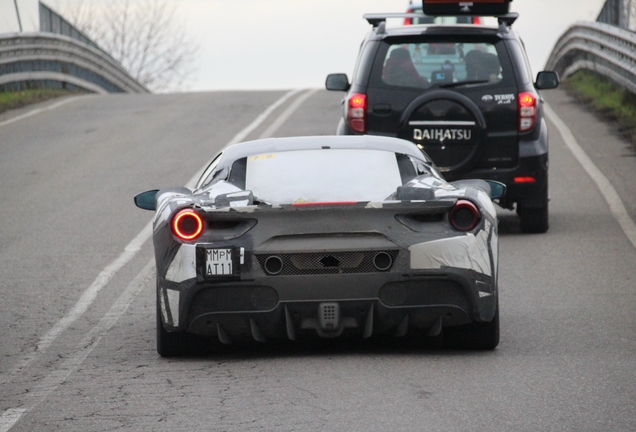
(245, 132)
(57, 377)
(10, 417)
(241, 135)
(271, 130)
(87, 344)
(616, 206)
(39, 110)
(89, 296)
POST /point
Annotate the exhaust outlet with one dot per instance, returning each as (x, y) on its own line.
(382, 261)
(273, 265)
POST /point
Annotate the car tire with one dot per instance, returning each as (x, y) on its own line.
(179, 344)
(476, 335)
(534, 220)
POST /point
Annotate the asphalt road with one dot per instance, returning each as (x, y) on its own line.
(77, 313)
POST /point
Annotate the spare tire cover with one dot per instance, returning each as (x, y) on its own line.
(448, 126)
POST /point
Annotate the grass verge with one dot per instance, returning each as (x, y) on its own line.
(12, 100)
(607, 98)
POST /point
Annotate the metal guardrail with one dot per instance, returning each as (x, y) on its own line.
(619, 13)
(605, 49)
(28, 58)
(52, 22)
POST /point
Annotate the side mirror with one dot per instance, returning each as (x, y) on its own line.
(146, 200)
(497, 189)
(547, 80)
(338, 82)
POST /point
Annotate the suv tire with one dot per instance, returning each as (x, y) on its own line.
(534, 220)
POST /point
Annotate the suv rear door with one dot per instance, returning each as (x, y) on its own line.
(455, 96)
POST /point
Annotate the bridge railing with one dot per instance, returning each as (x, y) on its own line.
(60, 56)
(53, 60)
(605, 49)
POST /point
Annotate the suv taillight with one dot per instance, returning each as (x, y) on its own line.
(527, 111)
(357, 114)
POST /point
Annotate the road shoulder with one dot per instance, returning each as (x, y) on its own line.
(614, 156)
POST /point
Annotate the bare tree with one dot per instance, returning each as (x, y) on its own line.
(143, 35)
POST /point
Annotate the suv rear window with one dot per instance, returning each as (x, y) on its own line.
(425, 64)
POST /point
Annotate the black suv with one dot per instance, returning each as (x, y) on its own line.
(462, 93)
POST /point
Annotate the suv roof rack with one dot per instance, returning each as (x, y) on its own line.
(375, 19)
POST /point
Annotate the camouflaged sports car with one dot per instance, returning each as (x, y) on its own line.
(324, 236)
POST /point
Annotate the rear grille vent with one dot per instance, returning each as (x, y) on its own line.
(327, 262)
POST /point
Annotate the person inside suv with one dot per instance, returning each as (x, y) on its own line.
(482, 66)
(400, 71)
(444, 63)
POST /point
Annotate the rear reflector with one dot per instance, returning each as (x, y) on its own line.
(525, 180)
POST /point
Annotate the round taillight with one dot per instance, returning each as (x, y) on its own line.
(464, 216)
(187, 225)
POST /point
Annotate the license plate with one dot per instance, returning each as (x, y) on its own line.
(218, 262)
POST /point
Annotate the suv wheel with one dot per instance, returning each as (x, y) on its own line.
(534, 220)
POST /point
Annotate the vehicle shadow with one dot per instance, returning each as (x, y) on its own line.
(342, 346)
(509, 223)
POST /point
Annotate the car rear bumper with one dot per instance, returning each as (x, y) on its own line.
(288, 307)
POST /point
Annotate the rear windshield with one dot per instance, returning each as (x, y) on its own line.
(327, 175)
(423, 65)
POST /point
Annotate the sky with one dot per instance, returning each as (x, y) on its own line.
(285, 44)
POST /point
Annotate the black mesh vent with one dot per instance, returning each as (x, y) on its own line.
(326, 262)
